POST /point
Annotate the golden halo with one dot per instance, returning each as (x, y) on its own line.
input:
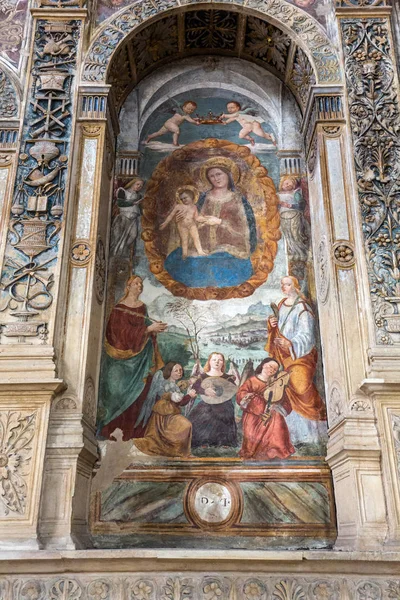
(220, 161)
(191, 188)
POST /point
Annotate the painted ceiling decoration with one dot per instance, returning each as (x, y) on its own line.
(211, 31)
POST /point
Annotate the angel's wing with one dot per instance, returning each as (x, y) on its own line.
(172, 106)
(248, 372)
(233, 370)
(155, 391)
(247, 110)
(197, 369)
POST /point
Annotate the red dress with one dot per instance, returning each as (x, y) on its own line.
(263, 441)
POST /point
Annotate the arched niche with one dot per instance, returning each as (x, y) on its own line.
(111, 72)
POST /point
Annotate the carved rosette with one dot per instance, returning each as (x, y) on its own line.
(343, 254)
(375, 122)
(81, 253)
(37, 210)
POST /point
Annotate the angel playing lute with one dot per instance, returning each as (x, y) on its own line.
(248, 120)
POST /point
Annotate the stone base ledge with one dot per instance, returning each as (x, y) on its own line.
(200, 575)
(200, 561)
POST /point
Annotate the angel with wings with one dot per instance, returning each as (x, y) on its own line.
(248, 120)
(172, 125)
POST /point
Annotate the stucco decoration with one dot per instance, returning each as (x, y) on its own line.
(234, 34)
(37, 209)
(8, 97)
(302, 77)
(360, 3)
(375, 120)
(16, 433)
(198, 586)
(301, 27)
(13, 16)
(396, 438)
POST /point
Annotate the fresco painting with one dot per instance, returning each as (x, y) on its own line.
(211, 344)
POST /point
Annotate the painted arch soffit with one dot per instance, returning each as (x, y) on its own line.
(307, 34)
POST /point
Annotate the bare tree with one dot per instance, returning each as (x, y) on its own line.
(192, 319)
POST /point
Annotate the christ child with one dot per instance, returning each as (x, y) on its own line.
(186, 216)
(173, 124)
(249, 123)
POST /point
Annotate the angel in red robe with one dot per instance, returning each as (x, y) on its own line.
(265, 434)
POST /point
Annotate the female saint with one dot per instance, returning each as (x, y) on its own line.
(130, 356)
(291, 342)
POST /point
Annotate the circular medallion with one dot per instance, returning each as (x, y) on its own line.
(213, 503)
(343, 254)
(81, 253)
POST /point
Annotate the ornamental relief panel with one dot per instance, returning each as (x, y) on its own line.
(375, 122)
(109, 37)
(193, 586)
(37, 209)
(17, 429)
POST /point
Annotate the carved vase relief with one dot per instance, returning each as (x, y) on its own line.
(210, 356)
(37, 209)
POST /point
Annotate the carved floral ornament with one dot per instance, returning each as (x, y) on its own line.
(301, 27)
(375, 120)
(8, 97)
(16, 434)
(195, 586)
(81, 253)
(343, 254)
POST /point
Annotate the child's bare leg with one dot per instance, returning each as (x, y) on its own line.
(244, 133)
(196, 240)
(184, 235)
(258, 130)
(158, 133)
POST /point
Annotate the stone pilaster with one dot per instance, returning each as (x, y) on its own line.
(374, 116)
(353, 447)
(72, 448)
(37, 225)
